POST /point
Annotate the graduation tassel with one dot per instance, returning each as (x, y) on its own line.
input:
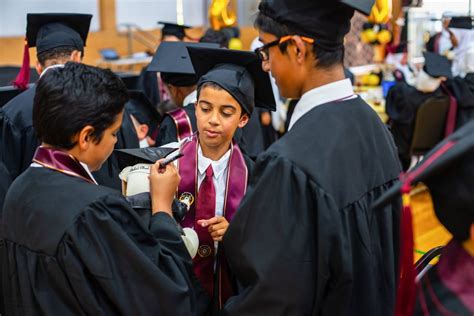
(406, 291)
(23, 77)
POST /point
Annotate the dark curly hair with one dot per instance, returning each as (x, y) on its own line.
(71, 98)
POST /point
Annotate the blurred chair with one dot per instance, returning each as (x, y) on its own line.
(422, 266)
(429, 126)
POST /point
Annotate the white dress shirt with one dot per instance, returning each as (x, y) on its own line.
(220, 177)
(465, 43)
(190, 98)
(333, 91)
(51, 67)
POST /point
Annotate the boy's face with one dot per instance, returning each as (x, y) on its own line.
(286, 68)
(218, 115)
(98, 153)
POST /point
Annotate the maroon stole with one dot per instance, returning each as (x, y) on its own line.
(452, 112)
(61, 161)
(183, 124)
(236, 186)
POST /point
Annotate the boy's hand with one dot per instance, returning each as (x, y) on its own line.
(163, 185)
(216, 226)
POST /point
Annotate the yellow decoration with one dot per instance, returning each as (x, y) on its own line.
(379, 53)
(374, 80)
(220, 15)
(235, 43)
(384, 37)
(368, 36)
(381, 12)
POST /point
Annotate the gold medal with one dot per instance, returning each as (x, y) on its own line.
(204, 251)
(187, 198)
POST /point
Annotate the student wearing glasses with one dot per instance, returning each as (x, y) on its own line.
(305, 240)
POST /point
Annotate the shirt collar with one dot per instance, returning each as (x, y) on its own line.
(217, 166)
(333, 91)
(190, 98)
(51, 67)
(88, 171)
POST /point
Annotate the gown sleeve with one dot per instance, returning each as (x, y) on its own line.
(117, 265)
(17, 147)
(4, 184)
(285, 246)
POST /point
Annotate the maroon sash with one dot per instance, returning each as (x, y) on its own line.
(236, 186)
(183, 124)
(61, 161)
(452, 112)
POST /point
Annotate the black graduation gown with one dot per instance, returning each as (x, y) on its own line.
(4, 184)
(305, 240)
(148, 83)
(436, 295)
(402, 105)
(257, 138)
(463, 91)
(18, 140)
(291, 108)
(74, 248)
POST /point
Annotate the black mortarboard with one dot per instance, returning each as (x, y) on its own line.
(173, 29)
(131, 157)
(448, 172)
(46, 31)
(327, 22)
(238, 72)
(437, 66)
(143, 110)
(363, 6)
(461, 22)
(172, 61)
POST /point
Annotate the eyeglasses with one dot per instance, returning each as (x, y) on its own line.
(262, 52)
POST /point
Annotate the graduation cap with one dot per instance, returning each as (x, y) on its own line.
(172, 61)
(148, 155)
(461, 22)
(327, 22)
(46, 31)
(448, 172)
(173, 29)
(238, 72)
(437, 66)
(363, 6)
(143, 110)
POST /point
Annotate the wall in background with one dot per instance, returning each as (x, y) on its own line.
(107, 36)
(13, 13)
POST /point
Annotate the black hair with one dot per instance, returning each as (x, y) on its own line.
(70, 98)
(218, 37)
(325, 58)
(57, 54)
(215, 86)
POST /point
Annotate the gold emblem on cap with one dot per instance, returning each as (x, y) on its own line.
(204, 251)
(187, 198)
